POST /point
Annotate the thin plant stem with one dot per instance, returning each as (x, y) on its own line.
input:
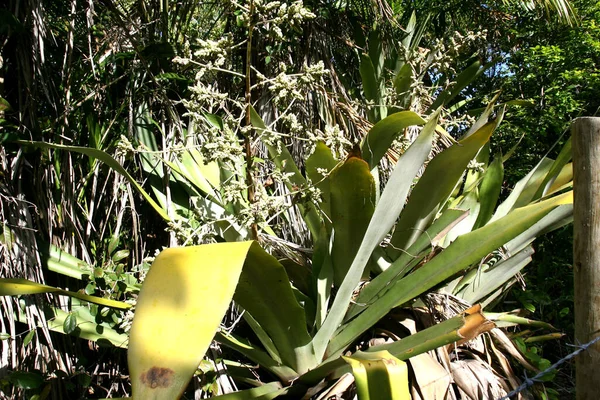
(250, 132)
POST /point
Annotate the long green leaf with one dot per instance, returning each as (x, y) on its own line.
(403, 83)
(108, 160)
(283, 372)
(467, 202)
(485, 282)
(18, 287)
(435, 186)
(263, 337)
(563, 158)
(62, 262)
(322, 277)
(382, 134)
(540, 170)
(352, 205)
(369, 79)
(387, 210)
(265, 292)
(530, 189)
(381, 283)
(490, 191)
(265, 392)
(463, 326)
(321, 160)
(458, 256)
(555, 219)
(463, 79)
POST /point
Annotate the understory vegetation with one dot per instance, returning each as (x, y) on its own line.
(291, 199)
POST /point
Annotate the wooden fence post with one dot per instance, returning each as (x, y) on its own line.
(586, 252)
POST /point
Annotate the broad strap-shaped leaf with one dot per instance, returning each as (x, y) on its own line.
(265, 292)
(386, 212)
(379, 375)
(467, 202)
(490, 191)
(463, 327)
(381, 283)
(506, 319)
(463, 79)
(524, 190)
(563, 158)
(265, 392)
(179, 309)
(18, 287)
(369, 78)
(435, 186)
(322, 277)
(352, 205)
(555, 219)
(484, 281)
(63, 263)
(403, 82)
(461, 254)
(319, 162)
(285, 373)
(263, 337)
(108, 160)
(379, 139)
(205, 176)
(564, 178)
(484, 117)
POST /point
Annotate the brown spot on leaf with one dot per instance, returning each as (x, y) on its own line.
(389, 361)
(157, 377)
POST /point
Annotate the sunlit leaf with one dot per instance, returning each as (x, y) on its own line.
(379, 375)
(17, 287)
(180, 306)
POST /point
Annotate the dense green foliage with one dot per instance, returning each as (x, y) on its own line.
(154, 103)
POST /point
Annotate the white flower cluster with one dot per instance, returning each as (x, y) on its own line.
(124, 147)
(313, 73)
(288, 87)
(285, 87)
(476, 166)
(452, 123)
(290, 121)
(271, 16)
(125, 318)
(221, 146)
(293, 15)
(206, 95)
(334, 138)
(263, 207)
(309, 195)
(214, 51)
(233, 191)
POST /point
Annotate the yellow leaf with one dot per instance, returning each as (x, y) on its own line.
(182, 301)
(379, 375)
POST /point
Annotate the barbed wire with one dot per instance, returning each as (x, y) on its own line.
(532, 381)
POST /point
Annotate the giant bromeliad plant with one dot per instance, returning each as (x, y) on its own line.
(376, 253)
(380, 252)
